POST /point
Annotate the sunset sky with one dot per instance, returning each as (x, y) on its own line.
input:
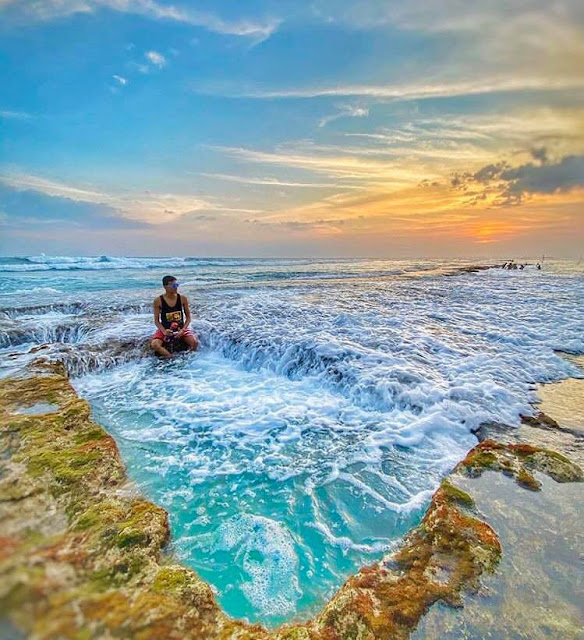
(287, 128)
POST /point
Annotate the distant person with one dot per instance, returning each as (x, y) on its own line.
(172, 317)
(521, 267)
(538, 266)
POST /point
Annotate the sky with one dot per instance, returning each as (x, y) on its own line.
(283, 128)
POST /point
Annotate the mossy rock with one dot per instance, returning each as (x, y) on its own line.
(456, 495)
(170, 579)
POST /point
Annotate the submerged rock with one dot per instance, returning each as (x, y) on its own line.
(82, 556)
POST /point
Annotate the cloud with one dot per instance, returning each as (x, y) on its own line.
(21, 208)
(457, 49)
(157, 59)
(335, 163)
(120, 80)
(565, 175)
(15, 115)
(398, 171)
(507, 185)
(273, 182)
(140, 206)
(345, 111)
(49, 187)
(525, 127)
(539, 153)
(141, 68)
(326, 225)
(47, 10)
(404, 92)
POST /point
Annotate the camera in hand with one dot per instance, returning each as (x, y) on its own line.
(171, 340)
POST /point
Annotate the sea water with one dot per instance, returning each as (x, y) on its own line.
(326, 402)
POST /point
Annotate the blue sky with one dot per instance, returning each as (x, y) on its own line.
(289, 128)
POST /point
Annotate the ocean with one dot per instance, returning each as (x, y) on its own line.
(327, 400)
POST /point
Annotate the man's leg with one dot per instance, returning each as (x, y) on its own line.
(190, 341)
(159, 349)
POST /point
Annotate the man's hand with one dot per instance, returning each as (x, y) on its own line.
(180, 334)
(168, 332)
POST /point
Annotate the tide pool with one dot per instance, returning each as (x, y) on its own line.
(326, 402)
(277, 490)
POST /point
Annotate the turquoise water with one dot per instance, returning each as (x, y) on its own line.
(274, 487)
(325, 404)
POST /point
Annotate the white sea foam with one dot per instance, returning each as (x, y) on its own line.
(32, 291)
(345, 543)
(265, 551)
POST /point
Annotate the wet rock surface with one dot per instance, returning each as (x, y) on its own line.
(540, 430)
(536, 590)
(82, 556)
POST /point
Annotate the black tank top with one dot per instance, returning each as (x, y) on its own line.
(169, 314)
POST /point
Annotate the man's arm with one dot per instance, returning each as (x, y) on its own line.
(157, 322)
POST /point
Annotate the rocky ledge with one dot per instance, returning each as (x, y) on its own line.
(82, 556)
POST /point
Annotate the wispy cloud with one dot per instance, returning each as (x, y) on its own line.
(24, 181)
(403, 175)
(46, 10)
(507, 131)
(529, 34)
(345, 111)
(143, 206)
(273, 182)
(413, 91)
(321, 226)
(156, 58)
(120, 80)
(335, 164)
(15, 115)
(417, 150)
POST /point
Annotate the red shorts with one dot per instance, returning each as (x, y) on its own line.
(160, 336)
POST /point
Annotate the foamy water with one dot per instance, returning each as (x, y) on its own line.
(327, 400)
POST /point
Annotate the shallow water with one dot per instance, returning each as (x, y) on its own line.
(326, 402)
(564, 400)
(536, 592)
(40, 408)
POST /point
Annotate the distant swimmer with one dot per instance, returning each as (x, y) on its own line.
(538, 266)
(172, 317)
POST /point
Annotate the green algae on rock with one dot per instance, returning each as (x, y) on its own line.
(519, 460)
(81, 555)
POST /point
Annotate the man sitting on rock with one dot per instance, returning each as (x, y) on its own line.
(172, 317)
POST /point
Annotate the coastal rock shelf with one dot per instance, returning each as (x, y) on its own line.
(82, 556)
